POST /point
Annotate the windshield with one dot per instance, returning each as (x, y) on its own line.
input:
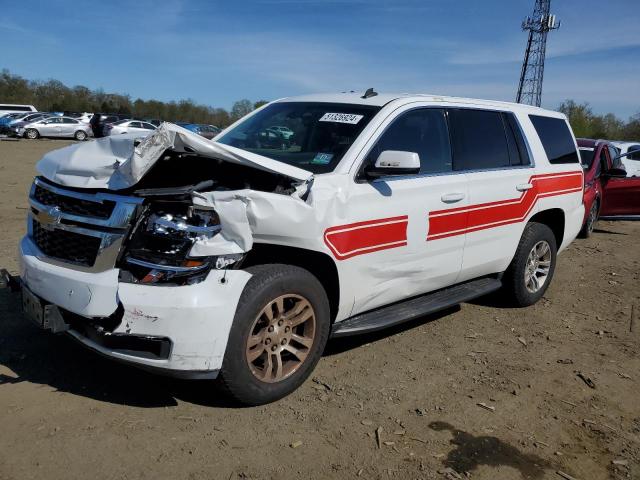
(315, 137)
(586, 157)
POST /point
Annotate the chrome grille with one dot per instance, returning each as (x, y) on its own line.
(76, 206)
(82, 230)
(67, 246)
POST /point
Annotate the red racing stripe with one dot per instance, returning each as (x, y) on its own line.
(461, 220)
(346, 241)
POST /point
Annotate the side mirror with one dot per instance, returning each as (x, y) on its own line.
(616, 172)
(394, 162)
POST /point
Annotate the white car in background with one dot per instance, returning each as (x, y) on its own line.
(129, 126)
(12, 108)
(65, 127)
(631, 161)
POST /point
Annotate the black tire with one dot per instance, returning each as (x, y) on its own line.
(590, 222)
(31, 134)
(514, 283)
(80, 135)
(267, 283)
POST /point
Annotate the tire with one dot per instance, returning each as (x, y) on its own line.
(80, 135)
(517, 282)
(251, 375)
(590, 222)
(31, 134)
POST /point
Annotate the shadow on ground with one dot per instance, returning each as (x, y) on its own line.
(472, 451)
(42, 358)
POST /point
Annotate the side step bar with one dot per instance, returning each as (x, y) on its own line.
(416, 307)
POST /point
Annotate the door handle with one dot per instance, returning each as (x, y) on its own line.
(523, 187)
(452, 197)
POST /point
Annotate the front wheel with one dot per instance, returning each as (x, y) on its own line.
(31, 134)
(80, 135)
(531, 270)
(278, 334)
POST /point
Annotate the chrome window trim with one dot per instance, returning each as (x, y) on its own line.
(358, 178)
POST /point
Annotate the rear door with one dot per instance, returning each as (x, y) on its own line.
(52, 127)
(620, 196)
(387, 244)
(489, 146)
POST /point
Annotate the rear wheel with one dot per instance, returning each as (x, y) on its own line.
(278, 334)
(531, 270)
(31, 134)
(590, 222)
(80, 136)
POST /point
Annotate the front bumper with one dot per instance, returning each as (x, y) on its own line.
(195, 319)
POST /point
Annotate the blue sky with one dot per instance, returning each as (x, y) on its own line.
(218, 51)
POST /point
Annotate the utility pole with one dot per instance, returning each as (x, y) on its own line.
(538, 25)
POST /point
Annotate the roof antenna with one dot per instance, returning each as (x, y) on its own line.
(369, 93)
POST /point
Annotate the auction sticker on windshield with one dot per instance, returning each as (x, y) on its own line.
(341, 118)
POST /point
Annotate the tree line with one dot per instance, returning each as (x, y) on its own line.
(54, 96)
(586, 124)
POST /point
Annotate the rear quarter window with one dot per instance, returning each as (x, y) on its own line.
(556, 139)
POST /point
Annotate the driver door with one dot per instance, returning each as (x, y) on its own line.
(620, 195)
(387, 245)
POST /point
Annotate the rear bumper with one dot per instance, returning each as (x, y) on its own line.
(192, 321)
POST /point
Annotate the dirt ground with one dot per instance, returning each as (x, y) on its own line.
(66, 413)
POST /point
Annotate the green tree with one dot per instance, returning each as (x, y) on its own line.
(240, 109)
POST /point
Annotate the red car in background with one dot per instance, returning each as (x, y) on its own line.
(608, 192)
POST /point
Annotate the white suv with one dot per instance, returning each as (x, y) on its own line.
(234, 260)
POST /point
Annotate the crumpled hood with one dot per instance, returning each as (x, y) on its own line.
(117, 162)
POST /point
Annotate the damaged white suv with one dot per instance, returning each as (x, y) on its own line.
(238, 258)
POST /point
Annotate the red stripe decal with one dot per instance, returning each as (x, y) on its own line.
(346, 241)
(461, 220)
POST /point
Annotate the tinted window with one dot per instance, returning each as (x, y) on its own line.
(479, 139)
(514, 134)
(68, 120)
(15, 108)
(556, 139)
(423, 131)
(586, 157)
(634, 156)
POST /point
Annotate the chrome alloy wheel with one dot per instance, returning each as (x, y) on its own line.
(281, 338)
(538, 265)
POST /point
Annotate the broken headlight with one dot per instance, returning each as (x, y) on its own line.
(159, 248)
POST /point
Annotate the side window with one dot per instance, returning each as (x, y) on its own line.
(135, 125)
(613, 153)
(479, 139)
(556, 139)
(68, 120)
(602, 162)
(519, 155)
(423, 131)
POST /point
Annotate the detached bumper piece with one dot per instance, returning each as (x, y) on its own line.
(141, 346)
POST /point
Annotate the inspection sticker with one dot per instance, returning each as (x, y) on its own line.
(322, 158)
(341, 118)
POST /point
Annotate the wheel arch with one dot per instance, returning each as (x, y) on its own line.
(319, 264)
(554, 218)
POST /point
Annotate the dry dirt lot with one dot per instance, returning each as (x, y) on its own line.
(66, 413)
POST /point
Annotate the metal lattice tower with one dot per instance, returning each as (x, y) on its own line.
(538, 25)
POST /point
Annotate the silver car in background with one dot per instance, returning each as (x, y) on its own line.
(129, 126)
(65, 127)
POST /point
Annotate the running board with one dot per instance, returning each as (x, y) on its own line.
(413, 308)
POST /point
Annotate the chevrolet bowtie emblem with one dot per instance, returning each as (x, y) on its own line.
(50, 215)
